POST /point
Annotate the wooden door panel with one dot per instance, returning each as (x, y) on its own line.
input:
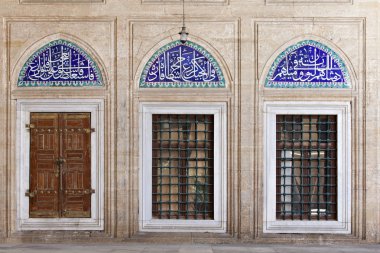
(44, 183)
(76, 150)
(65, 190)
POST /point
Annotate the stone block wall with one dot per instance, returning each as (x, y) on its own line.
(245, 37)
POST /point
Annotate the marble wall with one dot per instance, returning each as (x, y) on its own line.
(245, 37)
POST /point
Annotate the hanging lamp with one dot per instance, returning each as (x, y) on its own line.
(183, 34)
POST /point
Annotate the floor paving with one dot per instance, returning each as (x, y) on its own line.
(187, 248)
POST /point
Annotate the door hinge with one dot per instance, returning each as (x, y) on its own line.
(89, 191)
(30, 194)
(29, 126)
(89, 130)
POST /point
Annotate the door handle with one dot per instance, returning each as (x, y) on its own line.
(58, 169)
(58, 173)
(62, 160)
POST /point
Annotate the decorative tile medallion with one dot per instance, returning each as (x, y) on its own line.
(60, 63)
(308, 64)
(178, 65)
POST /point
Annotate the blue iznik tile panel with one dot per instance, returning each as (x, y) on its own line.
(178, 65)
(308, 64)
(60, 63)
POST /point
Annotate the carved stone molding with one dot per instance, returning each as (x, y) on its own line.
(186, 1)
(279, 2)
(60, 1)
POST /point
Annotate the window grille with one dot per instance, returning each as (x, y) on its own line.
(306, 167)
(182, 173)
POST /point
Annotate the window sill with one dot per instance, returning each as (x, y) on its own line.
(183, 226)
(61, 224)
(312, 227)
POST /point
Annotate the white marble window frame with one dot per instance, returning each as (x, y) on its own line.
(343, 223)
(96, 108)
(146, 221)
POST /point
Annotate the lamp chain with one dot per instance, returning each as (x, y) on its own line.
(183, 13)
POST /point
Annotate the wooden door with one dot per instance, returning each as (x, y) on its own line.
(60, 165)
(44, 170)
(76, 174)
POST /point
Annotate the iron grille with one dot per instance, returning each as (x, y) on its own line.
(182, 173)
(306, 167)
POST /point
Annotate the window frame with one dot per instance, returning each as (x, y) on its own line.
(179, 188)
(343, 223)
(96, 108)
(300, 150)
(146, 221)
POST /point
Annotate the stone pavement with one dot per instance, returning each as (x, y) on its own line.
(187, 248)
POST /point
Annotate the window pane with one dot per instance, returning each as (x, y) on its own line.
(182, 173)
(306, 167)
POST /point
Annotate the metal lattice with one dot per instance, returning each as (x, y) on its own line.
(182, 166)
(306, 167)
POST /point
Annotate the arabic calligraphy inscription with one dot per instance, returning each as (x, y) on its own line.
(178, 65)
(308, 64)
(60, 63)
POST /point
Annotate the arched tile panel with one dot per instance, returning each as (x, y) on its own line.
(60, 63)
(308, 64)
(178, 65)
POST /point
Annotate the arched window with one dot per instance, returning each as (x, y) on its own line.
(308, 64)
(60, 63)
(178, 65)
(307, 171)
